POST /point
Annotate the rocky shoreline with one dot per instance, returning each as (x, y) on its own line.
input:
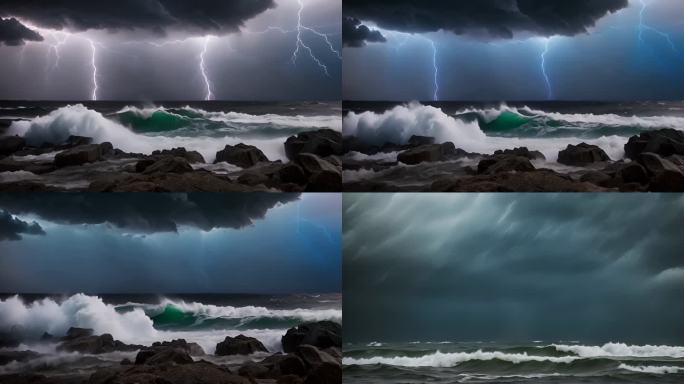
(654, 162)
(80, 165)
(311, 355)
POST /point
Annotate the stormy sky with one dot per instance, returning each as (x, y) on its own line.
(493, 50)
(513, 267)
(164, 49)
(170, 243)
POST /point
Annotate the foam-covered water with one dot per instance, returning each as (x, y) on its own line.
(547, 128)
(448, 362)
(205, 128)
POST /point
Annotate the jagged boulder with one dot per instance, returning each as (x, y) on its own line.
(582, 154)
(321, 334)
(242, 155)
(239, 345)
(663, 142)
(323, 142)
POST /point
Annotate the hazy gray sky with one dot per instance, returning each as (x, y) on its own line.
(516, 267)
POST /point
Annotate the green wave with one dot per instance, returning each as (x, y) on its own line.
(158, 121)
(506, 121)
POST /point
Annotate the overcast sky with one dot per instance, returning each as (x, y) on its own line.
(170, 243)
(513, 267)
(151, 50)
(492, 50)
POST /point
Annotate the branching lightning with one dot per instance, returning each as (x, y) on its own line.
(549, 89)
(54, 48)
(300, 43)
(644, 27)
(203, 69)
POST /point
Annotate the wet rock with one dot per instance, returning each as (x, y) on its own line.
(9, 356)
(313, 357)
(581, 155)
(312, 164)
(75, 333)
(168, 164)
(290, 379)
(428, 153)
(417, 141)
(504, 163)
(633, 173)
(201, 372)
(75, 141)
(596, 177)
(325, 373)
(522, 151)
(655, 164)
(542, 180)
(82, 154)
(197, 181)
(239, 345)
(325, 181)
(163, 355)
(193, 349)
(191, 156)
(126, 361)
(253, 178)
(141, 165)
(93, 344)
(36, 167)
(663, 142)
(255, 370)
(11, 144)
(284, 364)
(27, 186)
(321, 334)
(242, 155)
(292, 173)
(324, 142)
(667, 181)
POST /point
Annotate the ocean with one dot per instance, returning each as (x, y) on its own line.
(139, 127)
(485, 127)
(490, 362)
(205, 319)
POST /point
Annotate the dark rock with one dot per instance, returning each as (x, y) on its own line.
(325, 181)
(27, 186)
(417, 141)
(242, 155)
(428, 153)
(314, 357)
(168, 164)
(633, 173)
(191, 156)
(321, 334)
(655, 164)
(326, 373)
(239, 345)
(596, 177)
(28, 378)
(581, 155)
(292, 173)
(88, 344)
(312, 164)
(106, 149)
(290, 379)
(255, 370)
(75, 141)
(667, 181)
(11, 144)
(38, 168)
(324, 142)
(522, 151)
(253, 178)
(163, 355)
(126, 361)
(504, 163)
(9, 356)
(542, 180)
(201, 372)
(197, 181)
(193, 349)
(75, 333)
(284, 364)
(663, 142)
(141, 165)
(82, 154)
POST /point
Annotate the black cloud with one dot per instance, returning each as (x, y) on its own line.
(148, 213)
(356, 34)
(217, 16)
(11, 228)
(493, 18)
(12, 32)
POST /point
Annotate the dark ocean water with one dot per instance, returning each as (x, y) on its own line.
(534, 362)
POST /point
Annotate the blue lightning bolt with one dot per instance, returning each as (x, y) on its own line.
(644, 27)
(300, 43)
(549, 90)
(436, 70)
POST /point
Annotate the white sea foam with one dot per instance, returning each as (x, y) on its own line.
(374, 344)
(439, 359)
(398, 124)
(622, 350)
(56, 127)
(658, 370)
(380, 156)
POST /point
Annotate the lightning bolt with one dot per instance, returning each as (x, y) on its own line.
(436, 71)
(203, 69)
(644, 27)
(54, 48)
(300, 43)
(93, 63)
(549, 90)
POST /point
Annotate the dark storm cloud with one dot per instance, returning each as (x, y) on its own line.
(495, 18)
(12, 32)
(11, 228)
(356, 34)
(516, 267)
(218, 16)
(148, 212)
